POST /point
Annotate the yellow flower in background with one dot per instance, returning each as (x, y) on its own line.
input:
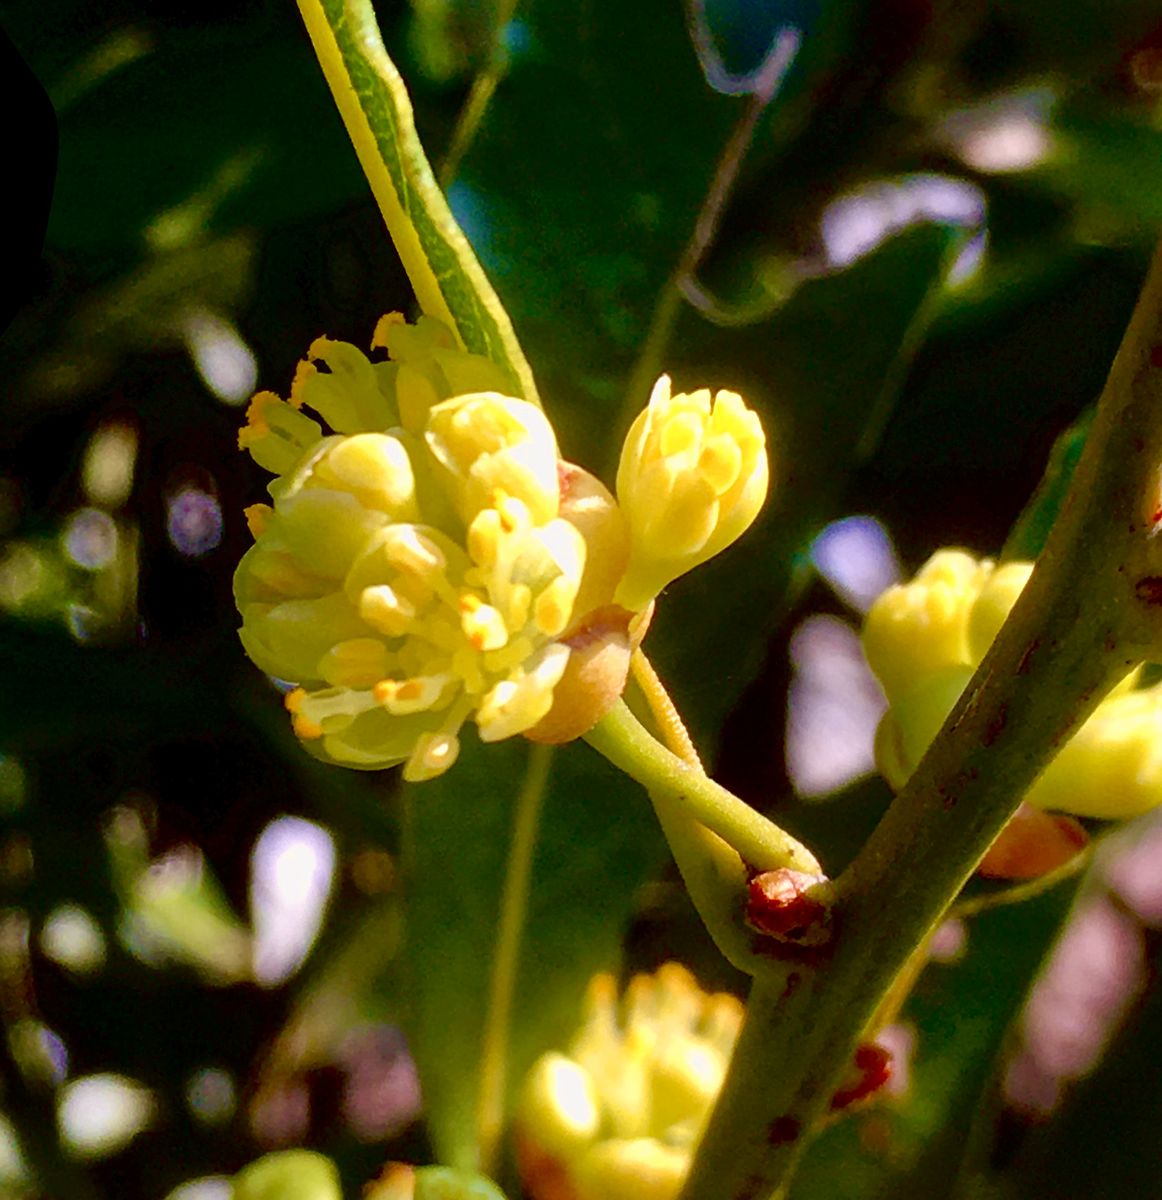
(918, 629)
(1112, 766)
(428, 559)
(692, 477)
(925, 639)
(619, 1116)
(288, 1175)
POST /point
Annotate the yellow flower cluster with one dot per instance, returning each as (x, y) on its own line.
(431, 559)
(925, 639)
(619, 1116)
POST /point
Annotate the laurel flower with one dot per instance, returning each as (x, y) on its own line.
(619, 1116)
(412, 571)
(692, 477)
(925, 639)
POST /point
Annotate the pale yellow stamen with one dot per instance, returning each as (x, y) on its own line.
(520, 599)
(554, 606)
(383, 608)
(405, 696)
(257, 519)
(355, 663)
(433, 755)
(483, 625)
(484, 536)
(385, 323)
(410, 550)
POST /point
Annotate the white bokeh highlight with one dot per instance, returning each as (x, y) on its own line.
(292, 870)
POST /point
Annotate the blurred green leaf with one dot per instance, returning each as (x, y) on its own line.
(229, 127)
(582, 187)
(1107, 161)
(599, 842)
(1027, 538)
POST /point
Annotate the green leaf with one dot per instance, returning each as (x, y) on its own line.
(598, 842)
(1028, 535)
(447, 278)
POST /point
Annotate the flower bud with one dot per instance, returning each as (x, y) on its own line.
(593, 679)
(917, 629)
(631, 1169)
(924, 640)
(908, 728)
(692, 477)
(586, 503)
(791, 906)
(993, 604)
(1032, 844)
(288, 1175)
(486, 442)
(559, 1101)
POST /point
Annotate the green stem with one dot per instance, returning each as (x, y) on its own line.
(622, 739)
(479, 96)
(1018, 893)
(490, 1105)
(764, 88)
(1090, 612)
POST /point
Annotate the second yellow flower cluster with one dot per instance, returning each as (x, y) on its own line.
(925, 639)
(619, 1116)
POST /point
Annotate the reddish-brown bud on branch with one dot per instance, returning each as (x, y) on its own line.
(872, 1069)
(792, 906)
(1032, 844)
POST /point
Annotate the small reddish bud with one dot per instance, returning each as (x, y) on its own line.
(1032, 844)
(792, 906)
(872, 1069)
(544, 1175)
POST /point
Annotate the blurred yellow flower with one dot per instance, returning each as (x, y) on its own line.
(925, 639)
(620, 1115)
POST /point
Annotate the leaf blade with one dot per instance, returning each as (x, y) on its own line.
(448, 280)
